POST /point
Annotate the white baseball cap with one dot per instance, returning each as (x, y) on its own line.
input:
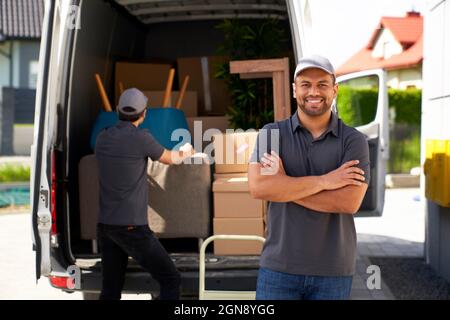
(132, 102)
(314, 61)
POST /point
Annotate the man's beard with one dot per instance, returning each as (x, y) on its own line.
(316, 111)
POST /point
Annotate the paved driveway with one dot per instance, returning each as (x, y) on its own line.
(17, 261)
(399, 232)
(17, 265)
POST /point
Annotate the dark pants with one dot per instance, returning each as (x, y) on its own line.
(117, 243)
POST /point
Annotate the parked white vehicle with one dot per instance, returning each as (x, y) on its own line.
(435, 131)
(81, 37)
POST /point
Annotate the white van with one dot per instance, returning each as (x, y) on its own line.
(67, 105)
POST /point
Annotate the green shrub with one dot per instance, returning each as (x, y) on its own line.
(407, 105)
(14, 173)
(251, 100)
(358, 107)
(405, 130)
(404, 151)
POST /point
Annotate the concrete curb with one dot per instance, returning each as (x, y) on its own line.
(12, 185)
(402, 180)
(16, 160)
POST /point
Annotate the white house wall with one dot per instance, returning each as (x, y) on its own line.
(24, 53)
(403, 78)
(446, 84)
(16, 63)
(386, 45)
(4, 65)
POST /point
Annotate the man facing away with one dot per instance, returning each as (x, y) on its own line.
(122, 152)
(314, 186)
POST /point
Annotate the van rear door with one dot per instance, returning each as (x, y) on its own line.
(362, 103)
(53, 62)
(39, 182)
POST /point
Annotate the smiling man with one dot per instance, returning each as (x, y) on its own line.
(314, 186)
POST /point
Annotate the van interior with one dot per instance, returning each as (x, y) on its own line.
(145, 32)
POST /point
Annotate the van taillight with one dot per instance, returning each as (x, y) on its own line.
(59, 282)
(53, 195)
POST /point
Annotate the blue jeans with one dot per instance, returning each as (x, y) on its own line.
(274, 285)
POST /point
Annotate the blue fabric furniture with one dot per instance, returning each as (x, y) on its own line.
(161, 122)
(104, 120)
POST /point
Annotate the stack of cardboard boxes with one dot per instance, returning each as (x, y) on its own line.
(212, 94)
(235, 211)
(205, 100)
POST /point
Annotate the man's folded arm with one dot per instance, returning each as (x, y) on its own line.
(281, 188)
(346, 200)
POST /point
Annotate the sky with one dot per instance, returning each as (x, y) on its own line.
(343, 27)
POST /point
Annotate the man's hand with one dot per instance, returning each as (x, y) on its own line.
(177, 157)
(187, 150)
(272, 164)
(347, 174)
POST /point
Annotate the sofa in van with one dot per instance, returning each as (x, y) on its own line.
(179, 203)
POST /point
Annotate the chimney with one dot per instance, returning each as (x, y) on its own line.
(413, 13)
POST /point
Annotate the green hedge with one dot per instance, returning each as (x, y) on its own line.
(404, 148)
(407, 105)
(14, 173)
(358, 107)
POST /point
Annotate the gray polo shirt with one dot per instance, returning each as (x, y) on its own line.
(122, 153)
(303, 241)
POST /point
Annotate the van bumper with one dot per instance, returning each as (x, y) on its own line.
(141, 282)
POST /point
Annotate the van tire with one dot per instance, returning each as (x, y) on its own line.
(91, 295)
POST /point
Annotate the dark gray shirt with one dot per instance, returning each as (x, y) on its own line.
(122, 153)
(303, 241)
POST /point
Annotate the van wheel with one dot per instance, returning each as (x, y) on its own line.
(91, 295)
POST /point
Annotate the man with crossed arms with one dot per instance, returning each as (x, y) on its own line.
(317, 183)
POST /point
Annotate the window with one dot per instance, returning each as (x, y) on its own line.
(357, 100)
(33, 74)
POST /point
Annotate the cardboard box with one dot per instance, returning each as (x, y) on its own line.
(232, 199)
(213, 95)
(233, 151)
(238, 226)
(189, 104)
(143, 76)
(218, 176)
(219, 123)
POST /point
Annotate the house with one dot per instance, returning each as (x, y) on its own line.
(396, 46)
(20, 33)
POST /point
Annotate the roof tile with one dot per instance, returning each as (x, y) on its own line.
(407, 30)
(21, 19)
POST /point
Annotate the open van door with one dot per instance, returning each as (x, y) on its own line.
(40, 196)
(57, 32)
(362, 103)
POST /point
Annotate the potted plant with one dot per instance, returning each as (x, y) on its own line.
(251, 100)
